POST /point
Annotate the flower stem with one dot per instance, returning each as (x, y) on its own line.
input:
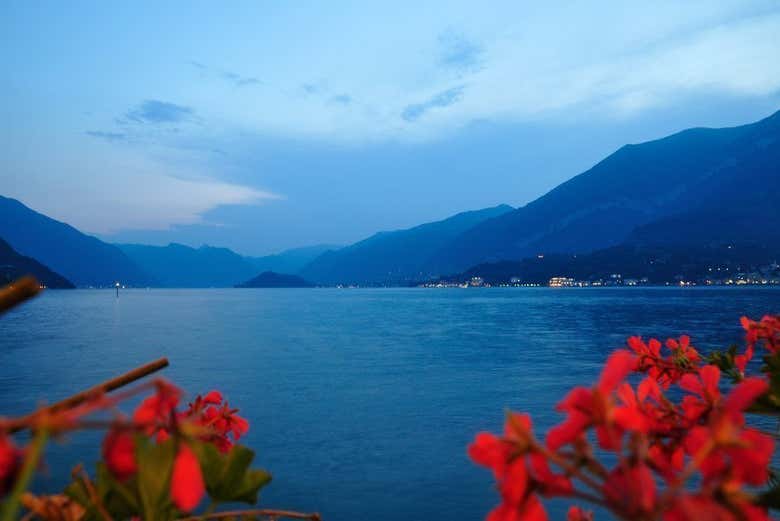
(34, 452)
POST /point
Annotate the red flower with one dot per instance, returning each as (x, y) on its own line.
(155, 411)
(548, 483)
(530, 510)
(683, 358)
(519, 503)
(577, 514)
(10, 463)
(745, 393)
(587, 407)
(222, 424)
(767, 330)
(187, 487)
(631, 491)
(490, 451)
(213, 397)
(667, 459)
(119, 454)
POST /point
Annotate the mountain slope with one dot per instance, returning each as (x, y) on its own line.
(393, 257)
(83, 259)
(13, 266)
(658, 263)
(177, 265)
(270, 279)
(697, 170)
(290, 261)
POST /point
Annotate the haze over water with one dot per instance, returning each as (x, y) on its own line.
(361, 402)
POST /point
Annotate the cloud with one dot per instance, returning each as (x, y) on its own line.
(518, 66)
(442, 99)
(142, 192)
(108, 136)
(343, 99)
(240, 81)
(311, 88)
(234, 78)
(156, 112)
(458, 52)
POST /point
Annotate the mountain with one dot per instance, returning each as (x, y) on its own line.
(681, 185)
(658, 263)
(290, 261)
(83, 259)
(176, 265)
(269, 279)
(395, 257)
(13, 266)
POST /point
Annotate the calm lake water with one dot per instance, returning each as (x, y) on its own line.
(361, 402)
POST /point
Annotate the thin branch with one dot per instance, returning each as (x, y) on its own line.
(81, 475)
(93, 392)
(17, 292)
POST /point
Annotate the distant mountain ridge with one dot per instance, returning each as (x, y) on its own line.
(177, 265)
(270, 279)
(292, 260)
(694, 172)
(701, 188)
(396, 257)
(14, 266)
(81, 258)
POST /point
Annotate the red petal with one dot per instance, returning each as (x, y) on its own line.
(515, 484)
(745, 393)
(567, 431)
(213, 397)
(119, 454)
(187, 487)
(618, 366)
(489, 451)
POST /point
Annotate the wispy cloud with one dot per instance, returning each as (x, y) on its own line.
(442, 99)
(239, 80)
(343, 99)
(457, 52)
(311, 88)
(156, 111)
(234, 78)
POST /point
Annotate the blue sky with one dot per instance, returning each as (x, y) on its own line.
(267, 125)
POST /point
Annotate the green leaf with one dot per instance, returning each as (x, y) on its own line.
(254, 480)
(228, 476)
(155, 465)
(236, 466)
(117, 497)
(211, 463)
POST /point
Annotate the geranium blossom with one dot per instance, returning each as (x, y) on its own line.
(682, 455)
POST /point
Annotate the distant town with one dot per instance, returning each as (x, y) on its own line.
(768, 275)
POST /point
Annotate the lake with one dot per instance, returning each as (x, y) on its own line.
(361, 401)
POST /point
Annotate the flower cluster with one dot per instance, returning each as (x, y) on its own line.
(192, 449)
(208, 419)
(673, 459)
(158, 464)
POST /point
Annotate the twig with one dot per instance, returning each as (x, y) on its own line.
(17, 292)
(257, 512)
(81, 475)
(78, 398)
